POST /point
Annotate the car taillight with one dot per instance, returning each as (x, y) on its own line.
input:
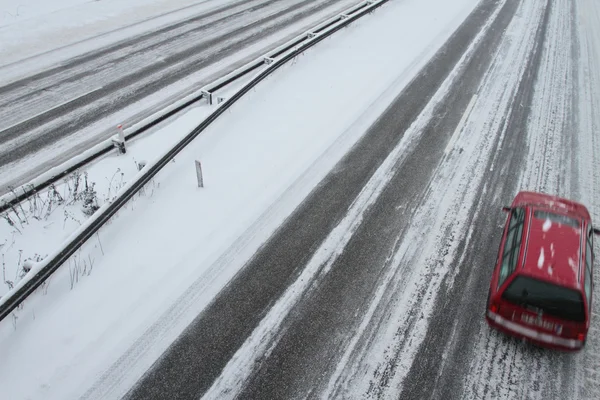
(494, 308)
(581, 337)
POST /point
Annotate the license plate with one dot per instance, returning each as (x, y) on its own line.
(540, 322)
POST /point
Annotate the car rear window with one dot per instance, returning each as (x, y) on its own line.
(558, 218)
(551, 299)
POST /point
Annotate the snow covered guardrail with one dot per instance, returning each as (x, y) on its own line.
(279, 56)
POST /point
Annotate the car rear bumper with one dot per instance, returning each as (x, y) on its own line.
(543, 339)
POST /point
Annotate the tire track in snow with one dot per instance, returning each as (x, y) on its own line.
(133, 84)
(31, 101)
(357, 364)
(551, 162)
(95, 62)
(551, 127)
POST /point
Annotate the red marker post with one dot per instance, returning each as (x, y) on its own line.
(119, 141)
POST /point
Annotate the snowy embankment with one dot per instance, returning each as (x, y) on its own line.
(35, 228)
(52, 215)
(163, 258)
(80, 194)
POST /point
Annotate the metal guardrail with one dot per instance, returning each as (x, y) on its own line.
(43, 270)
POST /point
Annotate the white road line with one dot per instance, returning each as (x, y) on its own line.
(460, 125)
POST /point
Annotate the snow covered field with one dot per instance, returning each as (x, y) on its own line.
(158, 263)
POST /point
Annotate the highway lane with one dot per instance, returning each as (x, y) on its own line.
(86, 97)
(456, 323)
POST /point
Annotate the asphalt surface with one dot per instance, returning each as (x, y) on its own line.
(38, 111)
(317, 330)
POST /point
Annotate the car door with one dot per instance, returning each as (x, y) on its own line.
(509, 251)
(588, 283)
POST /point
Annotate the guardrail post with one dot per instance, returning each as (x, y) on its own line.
(119, 141)
(208, 95)
(199, 174)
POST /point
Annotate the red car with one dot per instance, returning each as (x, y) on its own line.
(541, 288)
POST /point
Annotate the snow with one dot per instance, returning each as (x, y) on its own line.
(573, 264)
(547, 225)
(87, 201)
(540, 263)
(32, 27)
(25, 169)
(163, 258)
(167, 254)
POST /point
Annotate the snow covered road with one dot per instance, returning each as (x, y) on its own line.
(395, 308)
(54, 114)
(344, 242)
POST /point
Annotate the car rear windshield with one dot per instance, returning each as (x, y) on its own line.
(542, 296)
(558, 218)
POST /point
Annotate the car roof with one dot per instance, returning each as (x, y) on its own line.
(553, 245)
(526, 198)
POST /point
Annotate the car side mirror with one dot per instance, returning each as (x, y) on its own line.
(506, 209)
(596, 231)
